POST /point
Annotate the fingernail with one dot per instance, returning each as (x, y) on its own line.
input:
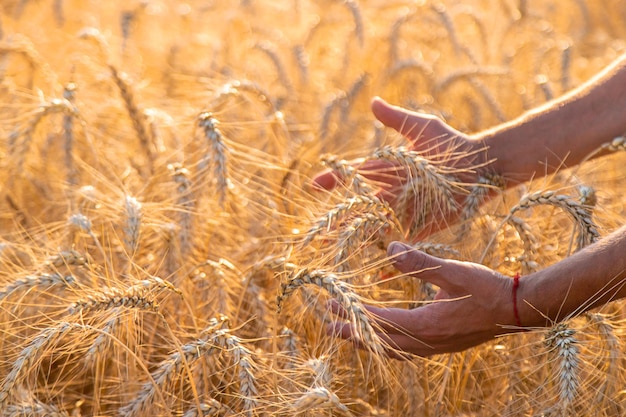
(398, 251)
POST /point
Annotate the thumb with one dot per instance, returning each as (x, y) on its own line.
(419, 264)
(406, 122)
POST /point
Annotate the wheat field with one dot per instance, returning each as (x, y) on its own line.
(162, 250)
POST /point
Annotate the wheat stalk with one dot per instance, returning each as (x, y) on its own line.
(361, 203)
(210, 407)
(562, 341)
(33, 408)
(608, 334)
(344, 295)
(18, 150)
(271, 52)
(132, 209)
(26, 359)
(530, 243)
(69, 92)
(319, 398)
(215, 339)
(33, 281)
(217, 157)
(136, 115)
(587, 227)
(617, 144)
(477, 195)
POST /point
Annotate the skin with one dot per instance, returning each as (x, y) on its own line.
(474, 303)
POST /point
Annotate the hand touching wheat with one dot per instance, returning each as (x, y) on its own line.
(433, 139)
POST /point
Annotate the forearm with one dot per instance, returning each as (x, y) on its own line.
(562, 132)
(587, 279)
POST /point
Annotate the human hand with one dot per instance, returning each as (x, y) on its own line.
(472, 306)
(434, 140)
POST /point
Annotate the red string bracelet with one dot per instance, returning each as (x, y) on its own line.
(515, 287)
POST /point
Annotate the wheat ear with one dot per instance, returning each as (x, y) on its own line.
(563, 344)
(430, 184)
(67, 258)
(477, 195)
(617, 144)
(185, 204)
(135, 296)
(136, 116)
(19, 149)
(210, 408)
(23, 45)
(607, 332)
(33, 408)
(355, 10)
(26, 360)
(317, 398)
(586, 225)
(348, 173)
(32, 281)
(216, 339)
(272, 54)
(368, 204)
(345, 296)
(132, 209)
(217, 157)
(360, 230)
(69, 92)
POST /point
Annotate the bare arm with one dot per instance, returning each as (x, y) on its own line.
(475, 303)
(563, 131)
(589, 278)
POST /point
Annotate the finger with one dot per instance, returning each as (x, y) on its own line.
(408, 123)
(409, 260)
(347, 331)
(326, 180)
(389, 320)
